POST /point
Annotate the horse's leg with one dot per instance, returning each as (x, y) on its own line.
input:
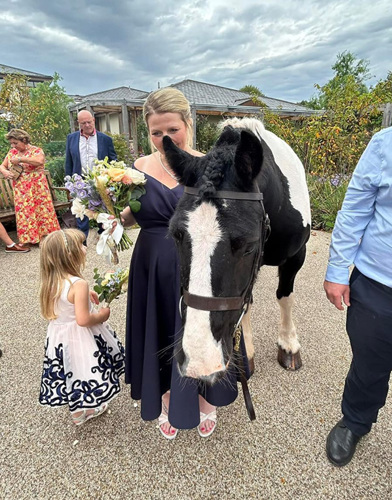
(248, 339)
(288, 346)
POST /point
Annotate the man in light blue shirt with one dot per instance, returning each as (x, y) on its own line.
(362, 237)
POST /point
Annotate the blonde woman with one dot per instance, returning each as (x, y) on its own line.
(153, 320)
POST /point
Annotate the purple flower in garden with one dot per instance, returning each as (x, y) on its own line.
(69, 185)
(76, 177)
(336, 180)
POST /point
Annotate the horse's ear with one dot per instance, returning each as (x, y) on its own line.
(248, 157)
(184, 165)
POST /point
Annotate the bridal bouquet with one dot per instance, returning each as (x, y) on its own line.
(110, 286)
(103, 192)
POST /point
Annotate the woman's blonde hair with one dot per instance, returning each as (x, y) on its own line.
(61, 256)
(19, 135)
(169, 100)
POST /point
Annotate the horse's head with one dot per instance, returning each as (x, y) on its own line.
(218, 240)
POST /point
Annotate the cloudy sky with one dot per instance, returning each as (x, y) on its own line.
(283, 47)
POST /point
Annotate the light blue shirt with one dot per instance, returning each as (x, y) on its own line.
(363, 229)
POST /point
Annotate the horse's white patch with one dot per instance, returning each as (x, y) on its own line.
(287, 161)
(248, 334)
(203, 352)
(287, 338)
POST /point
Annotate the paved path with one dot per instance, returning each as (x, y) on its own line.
(118, 456)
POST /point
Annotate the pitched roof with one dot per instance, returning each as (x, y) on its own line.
(31, 75)
(206, 93)
(118, 93)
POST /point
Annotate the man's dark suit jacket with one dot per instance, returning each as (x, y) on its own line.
(72, 155)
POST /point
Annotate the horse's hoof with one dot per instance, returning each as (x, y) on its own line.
(288, 360)
(251, 363)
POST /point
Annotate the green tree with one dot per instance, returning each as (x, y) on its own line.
(41, 111)
(255, 94)
(49, 102)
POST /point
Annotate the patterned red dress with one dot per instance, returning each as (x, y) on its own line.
(35, 214)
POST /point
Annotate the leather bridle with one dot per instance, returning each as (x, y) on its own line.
(239, 303)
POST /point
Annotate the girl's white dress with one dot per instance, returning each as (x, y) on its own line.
(82, 365)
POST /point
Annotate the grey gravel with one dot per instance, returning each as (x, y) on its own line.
(280, 455)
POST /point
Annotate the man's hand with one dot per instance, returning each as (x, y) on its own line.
(337, 294)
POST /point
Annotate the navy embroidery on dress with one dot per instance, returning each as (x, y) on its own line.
(53, 386)
(110, 367)
(57, 390)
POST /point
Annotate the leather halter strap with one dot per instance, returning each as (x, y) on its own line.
(228, 195)
(212, 303)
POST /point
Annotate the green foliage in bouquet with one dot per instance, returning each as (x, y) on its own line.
(110, 286)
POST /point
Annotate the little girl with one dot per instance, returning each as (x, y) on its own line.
(83, 357)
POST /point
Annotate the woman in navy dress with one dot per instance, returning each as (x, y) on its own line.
(153, 321)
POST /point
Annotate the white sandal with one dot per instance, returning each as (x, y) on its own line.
(81, 419)
(207, 416)
(163, 419)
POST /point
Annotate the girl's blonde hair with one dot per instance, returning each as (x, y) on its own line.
(61, 255)
(169, 100)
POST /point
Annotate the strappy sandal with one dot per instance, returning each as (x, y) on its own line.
(81, 419)
(207, 416)
(163, 419)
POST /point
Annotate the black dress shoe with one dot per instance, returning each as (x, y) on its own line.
(341, 444)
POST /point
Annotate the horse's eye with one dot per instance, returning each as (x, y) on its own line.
(249, 249)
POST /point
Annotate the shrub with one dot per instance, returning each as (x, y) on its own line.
(56, 167)
(206, 133)
(326, 198)
(54, 148)
(143, 137)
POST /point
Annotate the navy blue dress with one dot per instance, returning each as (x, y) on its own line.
(153, 320)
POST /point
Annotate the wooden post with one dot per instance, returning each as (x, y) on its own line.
(387, 116)
(71, 121)
(125, 122)
(193, 113)
(135, 143)
(107, 122)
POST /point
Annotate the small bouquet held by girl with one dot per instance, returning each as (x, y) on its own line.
(110, 286)
(102, 194)
(83, 358)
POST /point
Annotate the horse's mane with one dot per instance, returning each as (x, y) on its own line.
(215, 171)
(252, 124)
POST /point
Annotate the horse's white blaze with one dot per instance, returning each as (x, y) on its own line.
(287, 161)
(203, 352)
(287, 332)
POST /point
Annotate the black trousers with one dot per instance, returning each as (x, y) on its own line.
(369, 326)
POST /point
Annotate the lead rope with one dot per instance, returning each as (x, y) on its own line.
(244, 383)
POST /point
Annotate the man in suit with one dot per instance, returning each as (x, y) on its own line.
(82, 148)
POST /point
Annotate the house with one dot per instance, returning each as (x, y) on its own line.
(32, 78)
(116, 110)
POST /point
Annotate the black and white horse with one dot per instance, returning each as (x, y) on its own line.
(221, 230)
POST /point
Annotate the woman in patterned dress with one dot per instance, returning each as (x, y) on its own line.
(35, 214)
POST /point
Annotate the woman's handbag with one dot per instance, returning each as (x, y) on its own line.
(16, 170)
